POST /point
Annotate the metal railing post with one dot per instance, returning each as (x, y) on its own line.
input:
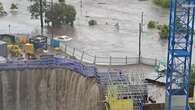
(155, 63)
(94, 61)
(82, 56)
(126, 60)
(73, 52)
(110, 60)
(65, 48)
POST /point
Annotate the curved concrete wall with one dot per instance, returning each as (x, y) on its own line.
(48, 89)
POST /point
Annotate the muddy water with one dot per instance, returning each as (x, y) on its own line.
(102, 39)
(19, 22)
(47, 90)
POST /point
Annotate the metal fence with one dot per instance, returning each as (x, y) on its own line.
(93, 59)
(51, 62)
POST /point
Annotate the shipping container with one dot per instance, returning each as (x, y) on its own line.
(3, 49)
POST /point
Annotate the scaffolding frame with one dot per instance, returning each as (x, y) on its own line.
(127, 88)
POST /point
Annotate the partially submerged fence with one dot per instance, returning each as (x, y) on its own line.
(93, 59)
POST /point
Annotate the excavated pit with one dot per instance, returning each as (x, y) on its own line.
(48, 89)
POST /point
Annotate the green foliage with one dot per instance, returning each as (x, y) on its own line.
(13, 6)
(164, 32)
(159, 26)
(35, 8)
(164, 29)
(151, 24)
(193, 75)
(2, 11)
(61, 14)
(162, 3)
(92, 22)
(192, 82)
(1, 7)
(61, 1)
(70, 14)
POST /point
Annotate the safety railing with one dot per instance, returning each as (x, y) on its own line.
(51, 62)
(85, 57)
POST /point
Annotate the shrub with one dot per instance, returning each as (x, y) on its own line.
(165, 3)
(159, 26)
(1, 7)
(193, 75)
(13, 6)
(151, 24)
(92, 22)
(192, 82)
(164, 32)
(60, 14)
(2, 11)
(61, 1)
(162, 3)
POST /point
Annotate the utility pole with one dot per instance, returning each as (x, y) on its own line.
(142, 21)
(41, 15)
(81, 7)
(140, 34)
(52, 25)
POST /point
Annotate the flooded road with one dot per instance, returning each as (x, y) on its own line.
(19, 22)
(102, 39)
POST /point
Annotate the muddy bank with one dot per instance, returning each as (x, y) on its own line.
(47, 89)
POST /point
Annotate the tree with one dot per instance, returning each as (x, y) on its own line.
(162, 3)
(37, 10)
(193, 75)
(70, 14)
(151, 24)
(164, 30)
(1, 8)
(60, 14)
(192, 82)
(92, 22)
(61, 1)
(36, 6)
(2, 11)
(13, 6)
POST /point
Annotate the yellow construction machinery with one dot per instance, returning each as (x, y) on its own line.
(114, 102)
(14, 50)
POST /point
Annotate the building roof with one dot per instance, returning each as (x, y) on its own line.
(156, 78)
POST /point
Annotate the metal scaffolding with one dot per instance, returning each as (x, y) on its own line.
(125, 86)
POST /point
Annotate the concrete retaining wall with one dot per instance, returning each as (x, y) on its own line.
(48, 89)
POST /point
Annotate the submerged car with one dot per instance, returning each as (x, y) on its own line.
(63, 38)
